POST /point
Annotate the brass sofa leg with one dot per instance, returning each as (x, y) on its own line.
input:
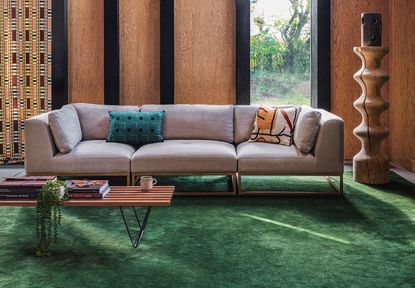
(239, 184)
(129, 179)
(341, 185)
(338, 188)
(234, 185)
(136, 180)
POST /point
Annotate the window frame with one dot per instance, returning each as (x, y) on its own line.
(320, 53)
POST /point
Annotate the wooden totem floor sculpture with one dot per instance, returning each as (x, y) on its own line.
(370, 165)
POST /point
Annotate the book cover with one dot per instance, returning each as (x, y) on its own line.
(25, 182)
(12, 196)
(75, 186)
(31, 178)
(91, 195)
(19, 190)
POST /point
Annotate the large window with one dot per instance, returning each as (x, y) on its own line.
(280, 52)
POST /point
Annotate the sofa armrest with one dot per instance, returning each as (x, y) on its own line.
(40, 147)
(328, 149)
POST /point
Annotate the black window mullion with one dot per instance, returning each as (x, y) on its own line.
(59, 53)
(320, 54)
(111, 53)
(243, 74)
(167, 51)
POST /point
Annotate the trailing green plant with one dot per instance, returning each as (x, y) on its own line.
(48, 211)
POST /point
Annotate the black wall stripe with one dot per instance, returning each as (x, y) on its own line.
(167, 51)
(111, 53)
(320, 54)
(243, 50)
(59, 53)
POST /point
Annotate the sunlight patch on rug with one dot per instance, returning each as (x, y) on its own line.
(328, 237)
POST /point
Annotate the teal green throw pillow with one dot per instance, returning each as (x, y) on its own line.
(137, 128)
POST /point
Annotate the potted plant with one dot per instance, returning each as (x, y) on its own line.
(49, 203)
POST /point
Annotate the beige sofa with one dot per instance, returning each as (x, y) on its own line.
(199, 140)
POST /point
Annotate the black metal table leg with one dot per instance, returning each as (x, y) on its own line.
(136, 237)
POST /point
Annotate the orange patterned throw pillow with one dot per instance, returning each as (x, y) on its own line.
(275, 125)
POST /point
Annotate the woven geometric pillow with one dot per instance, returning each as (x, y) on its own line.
(275, 125)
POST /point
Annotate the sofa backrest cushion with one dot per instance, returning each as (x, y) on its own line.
(306, 130)
(244, 122)
(65, 127)
(206, 122)
(245, 119)
(95, 118)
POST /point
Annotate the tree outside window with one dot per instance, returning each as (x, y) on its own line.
(280, 52)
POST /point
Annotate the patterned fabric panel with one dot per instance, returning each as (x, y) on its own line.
(25, 70)
(137, 128)
(275, 125)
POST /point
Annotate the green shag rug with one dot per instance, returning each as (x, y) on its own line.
(364, 239)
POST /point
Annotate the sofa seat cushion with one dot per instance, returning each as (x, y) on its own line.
(94, 156)
(185, 156)
(267, 158)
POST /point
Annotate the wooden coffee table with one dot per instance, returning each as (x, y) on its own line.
(123, 197)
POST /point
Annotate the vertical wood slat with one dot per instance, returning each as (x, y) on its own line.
(205, 52)
(139, 52)
(86, 51)
(401, 146)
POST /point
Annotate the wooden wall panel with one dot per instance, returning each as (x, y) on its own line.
(205, 51)
(86, 51)
(402, 85)
(345, 34)
(139, 52)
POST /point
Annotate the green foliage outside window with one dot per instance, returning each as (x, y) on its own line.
(280, 57)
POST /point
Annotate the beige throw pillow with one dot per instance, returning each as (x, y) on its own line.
(65, 127)
(307, 128)
(275, 125)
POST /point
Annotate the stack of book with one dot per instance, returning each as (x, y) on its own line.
(22, 187)
(87, 189)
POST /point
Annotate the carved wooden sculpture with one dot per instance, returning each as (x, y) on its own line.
(370, 165)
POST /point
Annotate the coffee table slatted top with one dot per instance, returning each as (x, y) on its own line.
(118, 196)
